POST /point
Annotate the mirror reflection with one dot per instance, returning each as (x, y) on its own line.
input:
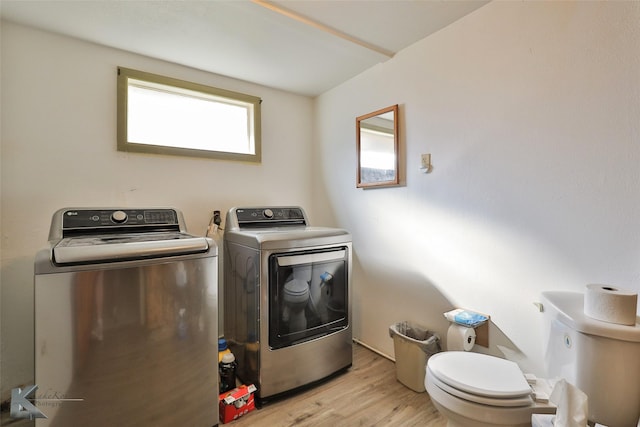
(377, 148)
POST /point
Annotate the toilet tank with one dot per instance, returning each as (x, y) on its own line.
(600, 358)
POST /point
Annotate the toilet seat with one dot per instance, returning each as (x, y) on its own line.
(480, 378)
(483, 400)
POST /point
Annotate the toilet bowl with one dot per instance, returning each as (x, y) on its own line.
(477, 390)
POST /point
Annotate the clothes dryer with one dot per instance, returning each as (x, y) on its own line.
(287, 298)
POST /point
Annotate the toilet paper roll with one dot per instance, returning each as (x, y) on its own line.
(611, 304)
(460, 338)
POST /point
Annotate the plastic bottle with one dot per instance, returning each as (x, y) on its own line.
(227, 370)
(222, 349)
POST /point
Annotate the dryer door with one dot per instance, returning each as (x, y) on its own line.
(308, 295)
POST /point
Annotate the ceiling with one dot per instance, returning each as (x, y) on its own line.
(325, 43)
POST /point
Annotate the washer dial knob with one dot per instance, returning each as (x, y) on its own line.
(119, 217)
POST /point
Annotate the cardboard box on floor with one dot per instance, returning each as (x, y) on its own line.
(236, 403)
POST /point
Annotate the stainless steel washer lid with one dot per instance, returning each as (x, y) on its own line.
(73, 250)
(479, 374)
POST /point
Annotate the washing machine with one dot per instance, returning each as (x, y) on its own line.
(126, 324)
(287, 298)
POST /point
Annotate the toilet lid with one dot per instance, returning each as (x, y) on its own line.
(483, 400)
(479, 374)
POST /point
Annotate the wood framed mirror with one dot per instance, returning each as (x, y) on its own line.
(377, 148)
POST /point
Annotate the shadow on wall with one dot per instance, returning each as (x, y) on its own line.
(383, 296)
(501, 346)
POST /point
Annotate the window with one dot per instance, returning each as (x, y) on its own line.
(162, 115)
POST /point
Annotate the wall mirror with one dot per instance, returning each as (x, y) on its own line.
(377, 148)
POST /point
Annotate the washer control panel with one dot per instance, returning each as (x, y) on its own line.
(107, 218)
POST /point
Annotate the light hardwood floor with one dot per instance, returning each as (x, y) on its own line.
(368, 394)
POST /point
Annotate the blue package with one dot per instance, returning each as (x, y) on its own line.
(468, 318)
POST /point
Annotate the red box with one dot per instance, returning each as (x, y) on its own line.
(236, 403)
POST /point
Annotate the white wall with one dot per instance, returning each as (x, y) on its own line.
(59, 150)
(531, 111)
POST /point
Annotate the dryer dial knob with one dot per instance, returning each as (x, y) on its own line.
(119, 217)
(268, 213)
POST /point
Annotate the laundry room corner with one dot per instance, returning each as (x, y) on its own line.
(59, 149)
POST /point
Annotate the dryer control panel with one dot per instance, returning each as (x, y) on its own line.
(266, 217)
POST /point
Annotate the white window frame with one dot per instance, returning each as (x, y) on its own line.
(128, 77)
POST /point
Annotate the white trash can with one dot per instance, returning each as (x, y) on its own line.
(412, 346)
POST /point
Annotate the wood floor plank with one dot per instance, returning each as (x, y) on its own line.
(368, 394)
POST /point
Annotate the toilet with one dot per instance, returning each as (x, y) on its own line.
(474, 390)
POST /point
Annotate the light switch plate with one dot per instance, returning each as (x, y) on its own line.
(425, 162)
